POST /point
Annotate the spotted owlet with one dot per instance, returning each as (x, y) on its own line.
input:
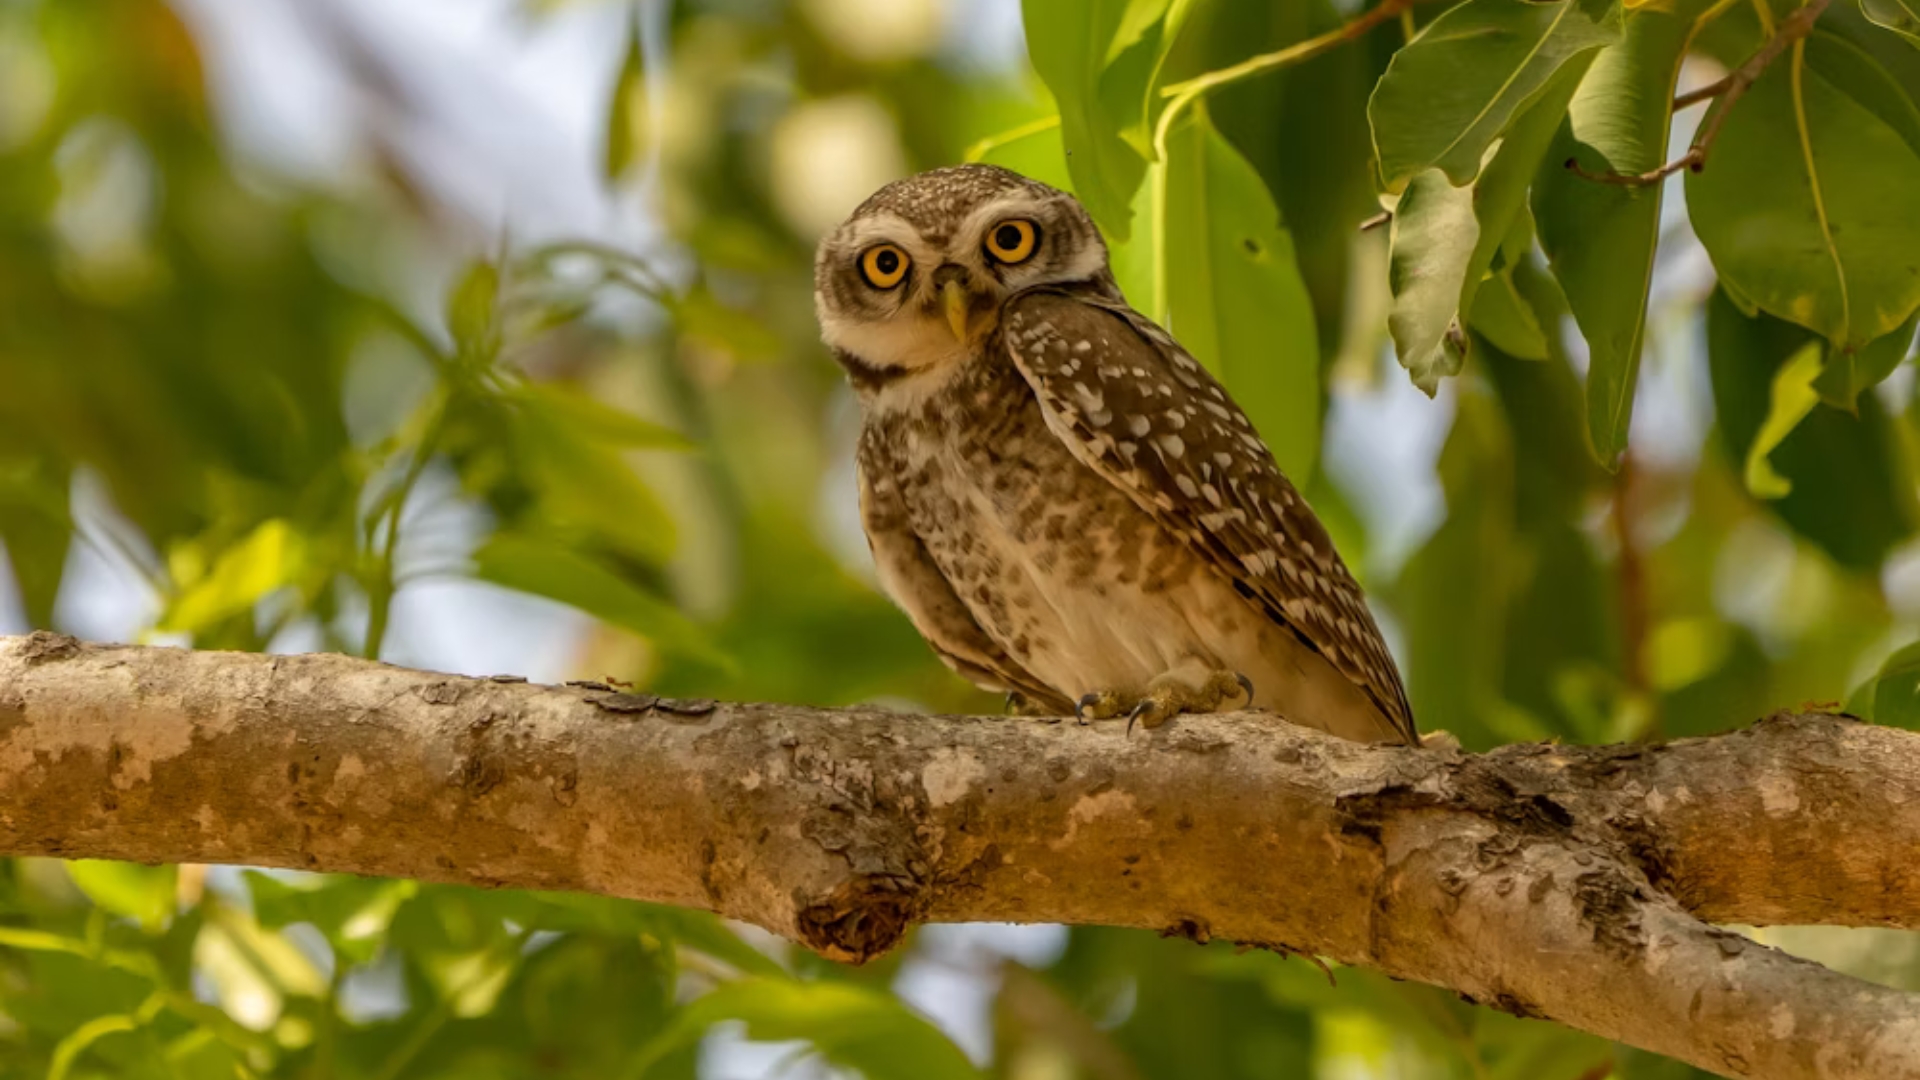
(1068, 507)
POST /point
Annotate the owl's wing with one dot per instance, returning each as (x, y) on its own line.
(916, 584)
(1137, 409)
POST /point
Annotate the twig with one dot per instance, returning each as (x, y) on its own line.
(1376, 221)
(1729, 90)
(1702, 93)
(1296, 53)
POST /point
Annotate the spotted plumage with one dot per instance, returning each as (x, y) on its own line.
(1065, 503)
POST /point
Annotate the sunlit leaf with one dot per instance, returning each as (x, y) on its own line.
(1792, 398)
(1453, 90)
(850, 1026)
(1810, 205)
(353, 913)
(142, 893)
(1235, 298)
(1847, 489)
(1599, 237)
(269, 557)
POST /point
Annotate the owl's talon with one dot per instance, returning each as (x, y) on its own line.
(1148, 710)
(1100, 705)
(1170, 695)
(1019, 704)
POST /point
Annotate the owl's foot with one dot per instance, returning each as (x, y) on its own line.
(1019, 704)
(1167, 696)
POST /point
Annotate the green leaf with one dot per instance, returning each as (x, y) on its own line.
(1600, 238)
(1900, 16)
(76, 1043)
(557, 572)
(701, 931)
(1234, 295)
(700, 315)
(851, 1026)
(271, 556)
(471, 313)
(1847, 372)
(1848, 492)
(1445, 238)
(142, 893)
(1101, 59)
(36, 529)
(627, 112)
(1453, 592)
(1434, 233)
(1810, 204)
(1319, 103)
(1896, 690)
(1518, 310)
(1128, 87)
(1792, 398)
(586, 483)
(597, 420)
(1451, 91)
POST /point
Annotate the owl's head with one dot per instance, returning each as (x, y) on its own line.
(915, 277)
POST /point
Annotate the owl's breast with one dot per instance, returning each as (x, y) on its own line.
(1060, 567)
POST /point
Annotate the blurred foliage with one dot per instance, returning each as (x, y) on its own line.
(261, 409)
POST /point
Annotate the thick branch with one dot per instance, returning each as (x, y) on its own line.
(1552, 881)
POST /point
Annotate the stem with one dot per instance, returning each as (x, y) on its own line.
(1012, 135)
(1296, 53)
(381, 584)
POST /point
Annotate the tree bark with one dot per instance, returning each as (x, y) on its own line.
(1575, 883)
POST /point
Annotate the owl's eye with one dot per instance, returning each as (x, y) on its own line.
(883, 265)
(1013, 240)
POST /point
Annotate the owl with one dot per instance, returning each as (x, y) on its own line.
(1066, 505)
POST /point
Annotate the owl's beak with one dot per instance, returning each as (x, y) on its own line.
(953, 297)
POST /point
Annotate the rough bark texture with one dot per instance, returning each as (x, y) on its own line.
(1556, 881)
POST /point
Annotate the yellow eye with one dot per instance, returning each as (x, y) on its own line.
(1012, 240)
(884, 266)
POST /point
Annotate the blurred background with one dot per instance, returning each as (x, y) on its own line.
(477, 335)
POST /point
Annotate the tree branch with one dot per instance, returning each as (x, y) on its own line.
(1556, 881)
(1729, 90)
